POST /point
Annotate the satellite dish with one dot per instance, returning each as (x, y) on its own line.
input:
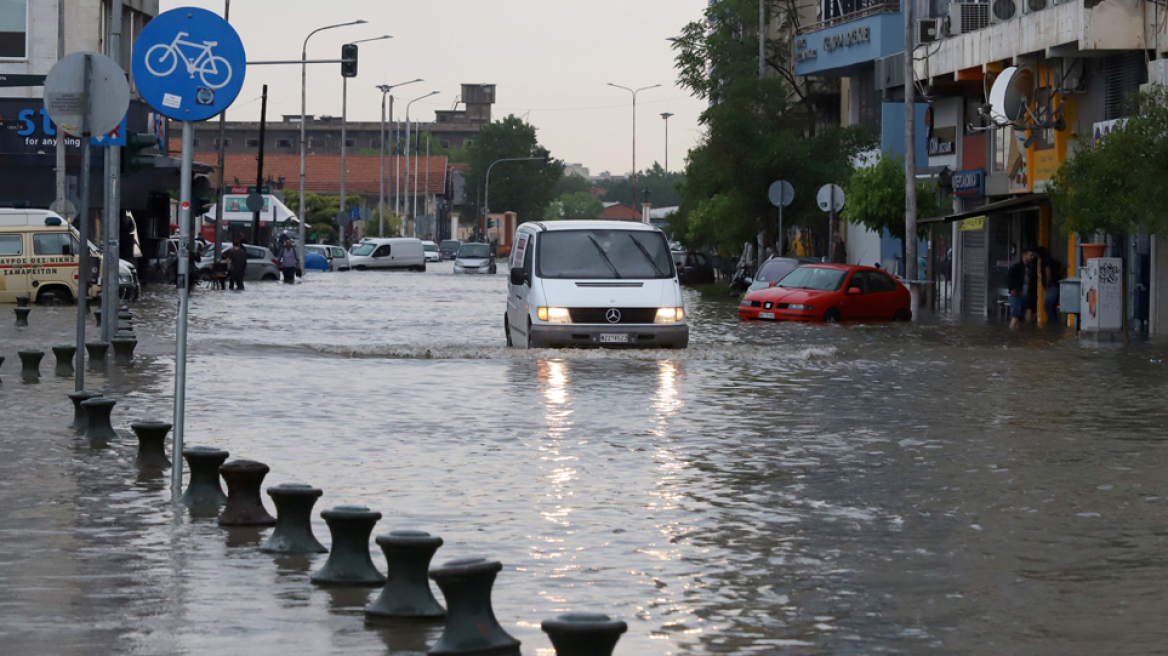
(1012, 91)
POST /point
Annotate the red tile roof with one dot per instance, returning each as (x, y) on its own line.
(323, 172)
(621, 213)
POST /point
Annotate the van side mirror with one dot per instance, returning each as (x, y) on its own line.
(518, 277)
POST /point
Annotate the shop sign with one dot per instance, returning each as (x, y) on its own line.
(969, 184)
(939, 146)
(971, 225)
(847, 39)
(1104, 128)
(802, 52)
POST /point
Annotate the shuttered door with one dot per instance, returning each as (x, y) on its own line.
(973, 273)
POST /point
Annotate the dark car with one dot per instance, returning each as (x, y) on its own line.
(448, 249)
(693, 268)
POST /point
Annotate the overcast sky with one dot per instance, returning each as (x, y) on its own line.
(551, 60)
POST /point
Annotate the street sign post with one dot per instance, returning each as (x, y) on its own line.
(86, 94)
(781, 194)
(189, 65)
(831, 199)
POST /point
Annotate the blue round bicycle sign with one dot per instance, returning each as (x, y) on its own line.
(189, 64)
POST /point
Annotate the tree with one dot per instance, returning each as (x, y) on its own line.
(1118, 186)
(580, 205)
(663, 188)
(393, 224)
(571, 184)
(525, 188)
(320, 208)
(876, 198)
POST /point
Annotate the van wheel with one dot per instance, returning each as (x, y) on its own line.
(832, 315)
(507, 332)
(270, 277)
(54, 297)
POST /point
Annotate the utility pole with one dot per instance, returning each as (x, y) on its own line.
(761, 38)
(61, 137)
(255, 217)
(381, 176)
(218, 252)
(666, 116)
(910, 161)
(112, 215)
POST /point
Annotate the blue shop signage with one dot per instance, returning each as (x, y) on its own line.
(969, 184)
(833, 50)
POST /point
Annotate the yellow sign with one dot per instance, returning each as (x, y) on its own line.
(1045, 163)
(969, 225)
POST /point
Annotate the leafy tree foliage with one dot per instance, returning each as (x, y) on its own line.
(320, 208)
(1118, 187)
(876, 198)
(393, 223)
(571, 184)
(663, 188)
(580, 205)
(525, 188)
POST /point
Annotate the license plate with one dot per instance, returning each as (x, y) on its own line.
(614, 338)
(766, 315)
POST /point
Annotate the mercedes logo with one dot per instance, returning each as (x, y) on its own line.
(613, 315)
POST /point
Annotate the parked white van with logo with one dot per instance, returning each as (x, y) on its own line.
(593, 284)
(39, 257)
(397, 253)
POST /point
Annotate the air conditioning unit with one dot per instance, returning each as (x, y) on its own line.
(1031, 6)
(1003, 10)
(966, 17)
(928, 30)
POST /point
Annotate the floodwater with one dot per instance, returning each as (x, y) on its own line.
(929, 488)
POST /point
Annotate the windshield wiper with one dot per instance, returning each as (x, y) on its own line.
(645, 252)
(604, 255)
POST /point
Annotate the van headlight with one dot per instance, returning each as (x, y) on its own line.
(554, 315)
(669, 315)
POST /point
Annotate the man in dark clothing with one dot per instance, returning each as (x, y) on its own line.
(1052, 273)
(1023, 288)
(839, 251)
(236, 265)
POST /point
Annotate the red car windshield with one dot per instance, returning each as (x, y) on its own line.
(815, 278)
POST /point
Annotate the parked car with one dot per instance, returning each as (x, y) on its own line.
(830, 293)
(776, 268)
(396, 253)
(448, 249)
(593, 284)
(261, 264)
(337, 257)
(129, 288)
(475, 258)
(432, 252)
(693, 268)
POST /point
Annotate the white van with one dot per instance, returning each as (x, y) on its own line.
(39, 257)
(593, 284)
(396, 253)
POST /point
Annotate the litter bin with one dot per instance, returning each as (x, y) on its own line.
(1069, 295)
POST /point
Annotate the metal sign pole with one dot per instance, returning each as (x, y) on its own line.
(180, 357)
(781, 235)
(83, 248)
(113, 206)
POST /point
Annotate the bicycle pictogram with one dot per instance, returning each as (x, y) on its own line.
(215, 71)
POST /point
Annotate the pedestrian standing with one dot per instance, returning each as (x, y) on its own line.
(236, 264)
(1023, 289)
(839, 250)
(289, 263)
(1052, 272)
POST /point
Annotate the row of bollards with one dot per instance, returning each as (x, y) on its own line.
(22, 311)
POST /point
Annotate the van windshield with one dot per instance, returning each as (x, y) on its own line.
(604, 255)
(363, 249)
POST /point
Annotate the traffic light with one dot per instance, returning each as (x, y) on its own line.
(349, 54)
(134, 157)
(202, 195)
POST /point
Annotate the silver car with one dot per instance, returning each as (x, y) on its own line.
(474, 258)
(338, 258)
(261, 264)
(775, 269)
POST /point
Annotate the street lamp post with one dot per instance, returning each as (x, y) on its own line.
(344, 135)
(487, 199)
(666, 116)
(381, 184)
(303, 120)
(634, 92)
(432, 93)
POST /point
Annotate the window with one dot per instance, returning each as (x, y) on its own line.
(254, 253)
(338, 252)
(363, 250)
(283, 143)
(226, 142)
(776, 270)
(57, 243)
(445, 144)
(528, 262)
(604, 255)
(253, 143)
(382, 251)
(13, 29)
(817, 278)
(375, 143)
(860, 281)
(880, 283)
(11, 245)
(197, 141)
(316, 143)
(350, 143)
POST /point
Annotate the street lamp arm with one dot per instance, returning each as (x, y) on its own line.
(304, 50)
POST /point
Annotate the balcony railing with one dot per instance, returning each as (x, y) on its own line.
(867, 9)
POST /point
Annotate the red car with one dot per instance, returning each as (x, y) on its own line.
(829, 293)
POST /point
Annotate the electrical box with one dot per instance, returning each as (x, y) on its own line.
(1101, 296)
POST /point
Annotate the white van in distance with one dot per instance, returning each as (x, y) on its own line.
(397, 253)
(593, 284)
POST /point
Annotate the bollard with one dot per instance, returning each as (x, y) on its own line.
(407, 588)
(584, 634)
(203, 489)
(22, 301)
(99, 428)
(151, 444)
(97, 317)
(471, 627)
(123, 350)
(30, 365)
(124, 315)
(80, 416)
(245, 506)
(349, 562)
(293, 533)
(97, 352)
(22, 317)
(64, 355)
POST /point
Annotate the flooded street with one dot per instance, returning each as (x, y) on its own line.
(924, 488)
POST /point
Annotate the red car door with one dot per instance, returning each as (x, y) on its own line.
(883, 296)
(855, 306)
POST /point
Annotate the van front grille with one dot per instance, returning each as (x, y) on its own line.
(600, 315)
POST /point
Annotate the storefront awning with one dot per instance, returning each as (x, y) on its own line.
(1016, 202)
